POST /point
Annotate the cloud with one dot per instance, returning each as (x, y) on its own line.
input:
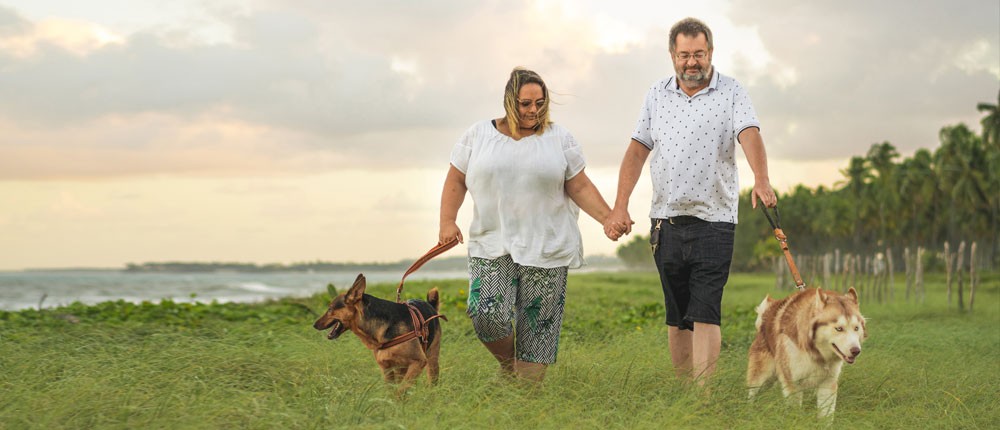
(277, 130)
(291, 87)
(345, 92)
(871, 72)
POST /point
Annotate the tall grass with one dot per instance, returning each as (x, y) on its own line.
(263, 366)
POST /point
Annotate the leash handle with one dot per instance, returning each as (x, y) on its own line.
(783, 241)
(433, 252)
(774, 225)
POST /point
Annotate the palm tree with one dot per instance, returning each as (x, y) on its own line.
(961, 166)
(991, 122)
(880, 158)
(918, 184)
(991, 144)
(858, 177)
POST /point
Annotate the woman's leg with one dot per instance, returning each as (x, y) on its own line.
(503, 351)
(541, 298)
(492, 296)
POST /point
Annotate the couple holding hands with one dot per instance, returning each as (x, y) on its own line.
(526, 177)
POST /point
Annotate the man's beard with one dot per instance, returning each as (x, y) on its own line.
(699, 78)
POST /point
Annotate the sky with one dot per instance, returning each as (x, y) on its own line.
(279, 131)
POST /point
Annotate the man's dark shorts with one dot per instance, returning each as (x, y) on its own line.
(693, 257)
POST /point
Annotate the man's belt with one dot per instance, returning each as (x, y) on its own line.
(684, 219)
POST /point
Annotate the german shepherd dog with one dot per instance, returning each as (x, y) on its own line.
(804, 340)
(405, 337)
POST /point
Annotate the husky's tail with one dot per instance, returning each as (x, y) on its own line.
(761, 308)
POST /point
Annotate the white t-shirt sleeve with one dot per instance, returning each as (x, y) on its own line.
(643, 133)
(574, 156)
(744, 115)
(462, 151)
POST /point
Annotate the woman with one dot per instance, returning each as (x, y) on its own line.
(526, 178)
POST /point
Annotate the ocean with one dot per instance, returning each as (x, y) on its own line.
(48, 289)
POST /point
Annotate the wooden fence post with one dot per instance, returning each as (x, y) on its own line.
(918, 280)
(856, 275)
(958, 273)
(843, 271)
(814, 273)
(878, 272)
(867, 277)
(972, 276)
(891, 285)
(947, 270)
(827, 262)
(908, 273)
(836, 268)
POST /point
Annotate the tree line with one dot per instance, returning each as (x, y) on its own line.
(949, 194)
(447, 263)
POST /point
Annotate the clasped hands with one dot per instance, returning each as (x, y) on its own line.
(618, 224)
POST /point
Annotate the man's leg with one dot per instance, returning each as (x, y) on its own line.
(680, 352)
(711, 260)
(706, 341)
(674, 275)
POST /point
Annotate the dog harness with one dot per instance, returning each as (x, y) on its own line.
(421, 329)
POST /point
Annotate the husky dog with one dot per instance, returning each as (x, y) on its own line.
(804, 340)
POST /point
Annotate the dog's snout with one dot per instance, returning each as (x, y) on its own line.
(855, 351)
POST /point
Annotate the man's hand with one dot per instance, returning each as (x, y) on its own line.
(617, 224)
(762, 190)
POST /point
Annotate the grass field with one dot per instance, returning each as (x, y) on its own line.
(119, 365)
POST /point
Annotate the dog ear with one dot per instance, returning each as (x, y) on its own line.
(357, 290)
(820, 299)
(852, 294)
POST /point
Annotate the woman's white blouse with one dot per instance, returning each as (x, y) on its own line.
(518, 188)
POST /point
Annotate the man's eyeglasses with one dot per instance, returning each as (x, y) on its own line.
(698, 56)
(526, 104)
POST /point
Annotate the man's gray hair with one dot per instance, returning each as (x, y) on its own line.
(690, 27)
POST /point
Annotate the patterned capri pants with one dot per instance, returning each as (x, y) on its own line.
(506, 297)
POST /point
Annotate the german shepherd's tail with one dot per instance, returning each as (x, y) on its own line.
(433, 299)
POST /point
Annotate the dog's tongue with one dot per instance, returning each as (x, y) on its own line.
(334, 331)
(849, 360)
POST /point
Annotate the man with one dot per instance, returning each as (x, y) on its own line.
(689, 123)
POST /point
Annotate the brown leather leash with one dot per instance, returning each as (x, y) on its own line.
(434, 252)
(421, 328)
(783, 240)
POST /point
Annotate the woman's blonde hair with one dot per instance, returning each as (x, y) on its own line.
(518, 78)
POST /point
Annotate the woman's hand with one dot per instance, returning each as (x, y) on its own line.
(449, 231)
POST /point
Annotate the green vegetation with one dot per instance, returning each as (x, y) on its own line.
(445, 263)
(173, 365)
(453, 263)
